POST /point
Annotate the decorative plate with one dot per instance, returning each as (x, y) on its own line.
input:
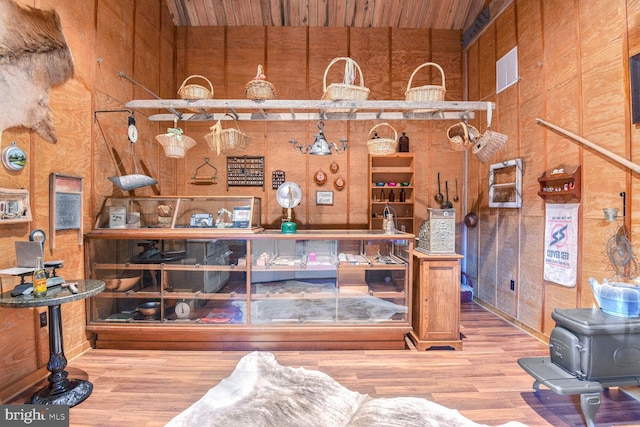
(320, 177)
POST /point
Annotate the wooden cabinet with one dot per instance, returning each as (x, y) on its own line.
(392, 173)
(436, 301)
(560, 183)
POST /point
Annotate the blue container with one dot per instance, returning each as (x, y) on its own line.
(616, 298)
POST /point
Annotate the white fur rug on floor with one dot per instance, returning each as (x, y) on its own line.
(260, 392)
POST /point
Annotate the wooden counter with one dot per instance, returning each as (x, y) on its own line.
(236, 291)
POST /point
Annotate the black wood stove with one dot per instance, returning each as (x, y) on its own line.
(589, 352)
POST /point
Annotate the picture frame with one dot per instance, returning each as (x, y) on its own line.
(14, 206)
(324, 198)
(65, 205)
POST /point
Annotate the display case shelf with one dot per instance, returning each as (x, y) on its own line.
(141, 216)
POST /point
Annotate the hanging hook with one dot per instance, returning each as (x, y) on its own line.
(205, 180)
(624, 204)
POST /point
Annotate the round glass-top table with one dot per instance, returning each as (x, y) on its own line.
(61, 390)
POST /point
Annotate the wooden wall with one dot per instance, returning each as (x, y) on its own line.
(573, 69)
(105, 37)
(295, 59)
(573, 72)
(136, 38)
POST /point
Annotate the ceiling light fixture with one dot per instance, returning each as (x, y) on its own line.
(320, 146)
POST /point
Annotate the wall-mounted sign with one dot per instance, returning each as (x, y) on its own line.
(324, 198)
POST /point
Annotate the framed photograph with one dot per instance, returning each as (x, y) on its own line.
(324, 198)
(14, 206)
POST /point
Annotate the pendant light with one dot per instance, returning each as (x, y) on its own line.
(320, 146)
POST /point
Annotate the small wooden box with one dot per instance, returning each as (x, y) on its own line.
(438, 232)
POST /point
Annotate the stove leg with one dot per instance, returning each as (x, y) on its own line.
(590, 402)
(536, 385)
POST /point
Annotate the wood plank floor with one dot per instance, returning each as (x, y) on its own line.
(483, 381)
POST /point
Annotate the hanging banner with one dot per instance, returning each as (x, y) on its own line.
(561, 244)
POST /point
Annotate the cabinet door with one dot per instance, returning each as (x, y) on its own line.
(440, 300)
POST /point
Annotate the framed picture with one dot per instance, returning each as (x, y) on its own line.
(324, 198)
(65, 205)
(14, 206)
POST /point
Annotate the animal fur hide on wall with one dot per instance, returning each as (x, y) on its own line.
(34, 56)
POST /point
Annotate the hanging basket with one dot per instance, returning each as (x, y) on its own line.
(345, 91)
(226, 140)
(488, 145)
(462, 136)
(175, 143)
(195, 92)
(259, 88)
(427, 92)
(382, 145)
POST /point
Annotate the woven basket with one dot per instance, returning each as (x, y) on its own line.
(488, 145)
(175, 143)
(193, 91)
(259, 88)
(345, 91)
(226, 140)
(426, 92)
(382, 145)
(462, 136)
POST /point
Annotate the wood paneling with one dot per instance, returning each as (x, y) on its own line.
(449, 15)
(483, 381)
(105, 37)
(573, 71)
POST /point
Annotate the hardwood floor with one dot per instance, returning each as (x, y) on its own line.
(483, 381)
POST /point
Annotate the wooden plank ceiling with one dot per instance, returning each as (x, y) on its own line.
(438, 14)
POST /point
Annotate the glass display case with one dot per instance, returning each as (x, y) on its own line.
(232, 212)
(329, 281)
(229, 291)
(168, 280)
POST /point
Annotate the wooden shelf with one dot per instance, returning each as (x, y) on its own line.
(505, 184)
(558, 181)
(292, 110)
(397, 167)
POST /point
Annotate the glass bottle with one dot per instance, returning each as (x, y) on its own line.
(403, 143)
(392, 197)
(39, 279)
(382, 195)
(403, 196)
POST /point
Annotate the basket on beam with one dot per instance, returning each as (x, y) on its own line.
(259, 88)
(427, 92)
(195, 92)
(347, 90)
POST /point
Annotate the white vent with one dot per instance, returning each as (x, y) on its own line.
(507, 70)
